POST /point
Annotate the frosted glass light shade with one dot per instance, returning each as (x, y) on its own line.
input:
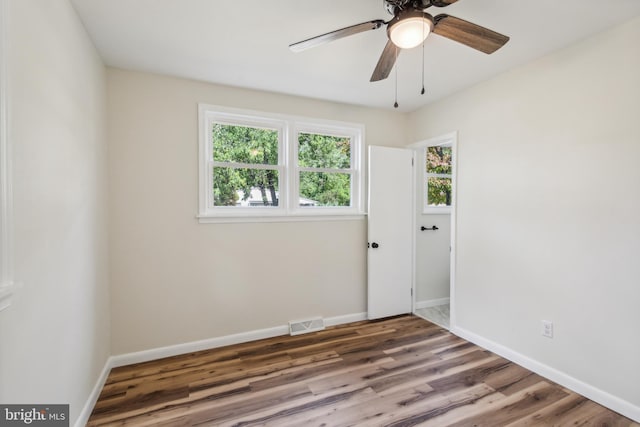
(409, 32)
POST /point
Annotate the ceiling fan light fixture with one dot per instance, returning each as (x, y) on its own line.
(410, 29)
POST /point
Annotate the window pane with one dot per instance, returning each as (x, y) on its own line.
(439, 160)
(439, 191)
(325, 189)
(323, 151)
(243, 144)
(245, 187)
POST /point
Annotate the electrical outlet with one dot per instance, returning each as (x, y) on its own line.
(547, 328)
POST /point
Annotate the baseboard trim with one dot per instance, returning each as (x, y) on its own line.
(190, 347)
(85, 413)
(175, 350)
(602, 397)
(431, 303)
(168, 351)
(347, 318)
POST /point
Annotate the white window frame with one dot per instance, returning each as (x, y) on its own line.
(211, 117)
(288, 127)
(355, 135)
(6, 254)
(426, 209)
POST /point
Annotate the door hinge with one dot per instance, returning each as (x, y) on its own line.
(411, 291)
(412, 161)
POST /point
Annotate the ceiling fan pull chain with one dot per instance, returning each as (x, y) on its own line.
(423, 39)
(395, 104)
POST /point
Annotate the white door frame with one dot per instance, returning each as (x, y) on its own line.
(452, 139)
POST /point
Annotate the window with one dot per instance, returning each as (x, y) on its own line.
(325, 170)
(265, 167)
(438, 179)
(245, 168)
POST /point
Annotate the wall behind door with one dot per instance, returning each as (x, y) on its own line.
(432, 255)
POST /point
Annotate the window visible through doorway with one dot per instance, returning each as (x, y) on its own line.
(438, 179)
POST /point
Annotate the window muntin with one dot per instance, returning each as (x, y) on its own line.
(438, 179)
(256, 166)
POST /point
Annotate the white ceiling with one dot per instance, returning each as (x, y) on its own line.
(245, 43)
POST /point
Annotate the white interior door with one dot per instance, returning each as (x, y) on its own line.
(390, 224)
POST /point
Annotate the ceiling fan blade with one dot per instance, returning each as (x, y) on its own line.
(441, 3)
(469, 34)
(335, 35)
(386, 62)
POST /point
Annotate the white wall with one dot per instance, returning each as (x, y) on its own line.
(432, 255)
(549, 207)
(174, 280)
(54, 338)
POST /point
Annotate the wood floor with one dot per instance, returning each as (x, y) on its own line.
(402, 371)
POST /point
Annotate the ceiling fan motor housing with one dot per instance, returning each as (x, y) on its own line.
(394, 6)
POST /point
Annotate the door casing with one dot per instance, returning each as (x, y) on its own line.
(452, 139)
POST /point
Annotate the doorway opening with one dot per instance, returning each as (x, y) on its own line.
(434, 229)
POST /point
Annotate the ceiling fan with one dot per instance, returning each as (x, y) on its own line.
(408, 28)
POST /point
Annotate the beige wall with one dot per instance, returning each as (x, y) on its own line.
(174, 280)
(549, 208)
(54, 338)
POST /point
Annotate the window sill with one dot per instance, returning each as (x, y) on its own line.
(437, 211)
(215, 219)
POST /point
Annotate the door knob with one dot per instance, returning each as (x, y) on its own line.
(374, 245)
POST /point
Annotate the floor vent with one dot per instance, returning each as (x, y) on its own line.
(305, 326)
